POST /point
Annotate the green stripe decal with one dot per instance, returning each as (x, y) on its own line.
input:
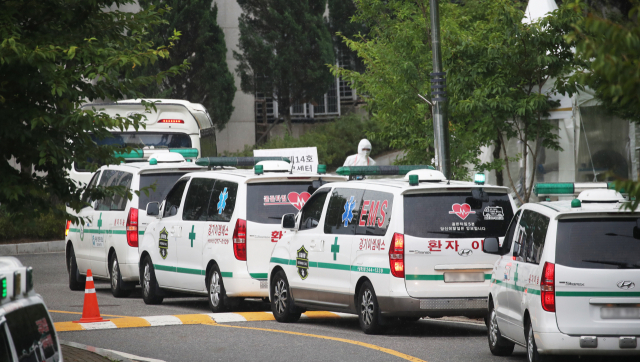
(279, 261)
(164, 268)
(259, 275)
(424, 277)
(226, 274)
(107, 231)
(191, 271)
(333, 266)
(598, 294)
(369, 269)
(313, 264)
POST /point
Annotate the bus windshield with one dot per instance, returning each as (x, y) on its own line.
(146, 139)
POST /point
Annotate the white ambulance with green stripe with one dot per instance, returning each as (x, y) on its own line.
(107, 241)
(389, 249)
(568, 277)
(215, 230)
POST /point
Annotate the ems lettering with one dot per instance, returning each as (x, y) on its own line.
(373, 213)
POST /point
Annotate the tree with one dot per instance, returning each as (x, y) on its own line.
(611, 51)
(54, 56)
(285, 48)
(340, 25)
(208, 81)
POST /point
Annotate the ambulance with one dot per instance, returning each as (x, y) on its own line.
(567, 281)
(105, 240)
(215, 230)
(389, 249)
(26, 330)
(176, 125)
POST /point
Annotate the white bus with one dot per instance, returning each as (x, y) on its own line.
(177, 126)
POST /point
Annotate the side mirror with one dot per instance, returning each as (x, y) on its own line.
(289, 222)
(491, 246)
(153, 208)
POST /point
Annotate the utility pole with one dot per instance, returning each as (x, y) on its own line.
(439, 100)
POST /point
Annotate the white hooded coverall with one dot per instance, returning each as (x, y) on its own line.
(362, 157)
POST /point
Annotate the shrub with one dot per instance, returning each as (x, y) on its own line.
(46, 226)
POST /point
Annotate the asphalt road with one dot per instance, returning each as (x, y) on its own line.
(307, 340)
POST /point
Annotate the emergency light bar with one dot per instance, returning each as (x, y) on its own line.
(570, 188)
(236, 161)
(145, 154)
(380, 170)
(3, 287)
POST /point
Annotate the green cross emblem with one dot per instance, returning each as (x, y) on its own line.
(192, 235)
(335, 248)
(99, 222)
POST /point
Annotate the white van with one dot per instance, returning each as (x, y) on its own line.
(178, 125)
(568, 278)
(389, 248)
(215, 230)
(26, 330)
(108, 241)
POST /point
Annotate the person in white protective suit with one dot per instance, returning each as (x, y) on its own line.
(362, 157)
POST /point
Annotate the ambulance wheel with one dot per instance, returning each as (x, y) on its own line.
(532, 349)
(498, 345)
(117, 285)
(369, 310)
(150, 288)
(218, 301)
(76, 281)
(281, 302)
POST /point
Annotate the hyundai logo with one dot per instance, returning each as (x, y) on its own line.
(626, 284)
(465, 252)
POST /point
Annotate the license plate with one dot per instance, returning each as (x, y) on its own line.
(619, 313)
(463, 277)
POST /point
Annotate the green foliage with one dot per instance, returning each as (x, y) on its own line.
(340, 24)
(285, 47)
(611, 51)
(208, 81)
(38, 225)
(56, 55)
(335, 140)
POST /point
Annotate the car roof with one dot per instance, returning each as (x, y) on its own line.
(143, 166)
(180, 102)
(401, 186)
(563, 209)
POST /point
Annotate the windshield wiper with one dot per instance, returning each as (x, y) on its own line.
(619, 264)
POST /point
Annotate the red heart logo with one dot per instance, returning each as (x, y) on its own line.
(461, 210)
(298, 200)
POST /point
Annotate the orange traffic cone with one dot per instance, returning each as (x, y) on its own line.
(90, 310)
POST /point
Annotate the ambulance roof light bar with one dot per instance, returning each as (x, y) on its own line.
(236, 161)
(570, 188)
(380, 170)
(144, 154)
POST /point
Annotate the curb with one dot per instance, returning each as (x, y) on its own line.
(32, 248)
(99, 351)
(188, 319)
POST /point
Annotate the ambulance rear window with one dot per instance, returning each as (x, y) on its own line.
(163, 183)
(457, 214)
(267, 202)
(598, 243)
(32, 333)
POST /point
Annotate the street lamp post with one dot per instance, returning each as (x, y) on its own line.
(439, 100)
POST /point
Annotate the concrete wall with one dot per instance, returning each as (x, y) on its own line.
(240, 130)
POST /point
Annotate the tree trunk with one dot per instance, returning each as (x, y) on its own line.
(496, 156)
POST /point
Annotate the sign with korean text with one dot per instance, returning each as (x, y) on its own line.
(302, 158)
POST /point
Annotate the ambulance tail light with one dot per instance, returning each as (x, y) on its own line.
(396, 255)
(132, 227)
(240, 240)
(547, 287)
(166, 120)
(66, 229)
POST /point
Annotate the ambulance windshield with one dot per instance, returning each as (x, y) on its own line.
(457, 215)
(267, 202)
(598, 243)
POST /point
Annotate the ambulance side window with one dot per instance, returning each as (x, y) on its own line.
(123, 180)
(196, 204)
(174, 197)
(343, 211)
(532, 236)
(92, 184)
(222, 201)
(508, 239)
(5, 351)
(375, 213)
(312, 210)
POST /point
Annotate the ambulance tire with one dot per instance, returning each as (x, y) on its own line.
(76, 281)
(218, 301)
(151, 293)
(281, 302)
(532, 349)
(498, 345)
(117, 285)
(371, 322)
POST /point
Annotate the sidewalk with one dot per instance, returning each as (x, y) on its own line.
(73, 354)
